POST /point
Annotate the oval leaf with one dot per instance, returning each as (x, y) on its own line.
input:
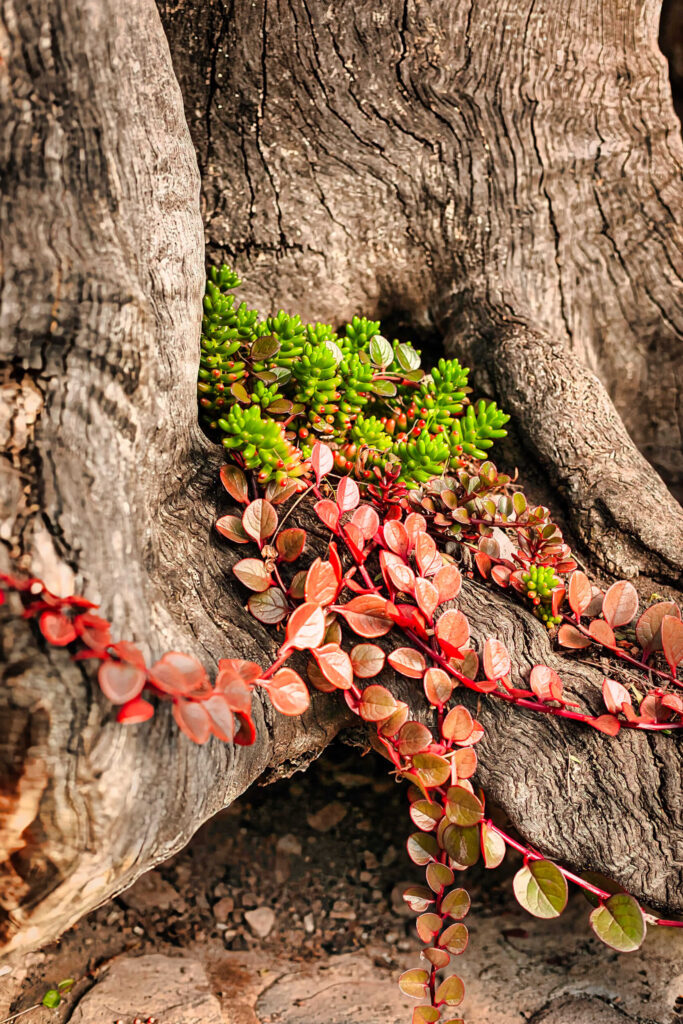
(438, 687)
(306, 627)
(408, 662)
(288, 692)
(580, 592)
(541, 888)
(253, 574)
(120, 681)
(620, 604)
(619, 923)
(367, 660)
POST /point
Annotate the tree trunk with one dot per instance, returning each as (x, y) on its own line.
(505, 175)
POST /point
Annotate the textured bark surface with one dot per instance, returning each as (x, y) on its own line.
(353, 157)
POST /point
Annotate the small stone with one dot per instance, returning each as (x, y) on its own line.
(326, 818)
(342, 911)
(289, 844)
(223, 909)
(365, 877)
(370, 860)
(229, 935)
(152, 892)
(309, 923)
(260, 921)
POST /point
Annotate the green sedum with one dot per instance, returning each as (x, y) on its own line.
(271, 388)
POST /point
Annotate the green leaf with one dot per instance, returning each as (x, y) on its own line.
(422, 848)
(619, 923)
(52, 998)
(541, 888)
(66, 985)
(439, 877)
(265, 348)
(451, 991)
(381, 351)
(462, 807)
(462, 844)
(384, 388)
(492, 847)
(456, 904)
(408, 358)
(433, 769)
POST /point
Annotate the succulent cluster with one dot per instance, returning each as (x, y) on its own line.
(274, 387)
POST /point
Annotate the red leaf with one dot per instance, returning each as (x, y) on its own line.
(377, 704)
(322, 460)
(672, 641)
(500, 574)
(129, 652)
(367, 660)
(120, 682)
(366, 520)
(452, 632)
(193, 719)
(335, 561)
(653, 709)
(235, 690)
(649, 625)
(321, 583)
(408, 662)
(427, 597)
(438, 686)
(415, 524)
(288, 692)
(465, 761)
(570, 637)
(335, 665)
(222, 718)
(176, 672)
(290, 543)
(134, 712)
(458, 725)
(673, 702)
(356, 537)
(235, 483)
(614, 695)
(367, 615)
(396, 538)
(259, 520)
(328, 513)
(348, 494)
(448, 581)
(413, 737)
(496, 660)
(620, 604)
(246, 730)
(545, 683)
(605, 723)
(57, 629)
(427, 557)
(231, 527)
(396, 572)
(306, 627)
(93, 631)
(253, 574)
(483, 563)
(602, 633)
(580, 593)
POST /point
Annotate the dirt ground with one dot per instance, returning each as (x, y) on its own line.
(286, 909)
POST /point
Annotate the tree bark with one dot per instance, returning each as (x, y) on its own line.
(353, 158)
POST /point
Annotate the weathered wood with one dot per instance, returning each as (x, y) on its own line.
(350, 174)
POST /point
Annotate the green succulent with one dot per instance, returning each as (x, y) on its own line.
(272, 386)
(540, 581)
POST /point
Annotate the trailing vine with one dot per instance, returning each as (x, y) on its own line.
(392, 460)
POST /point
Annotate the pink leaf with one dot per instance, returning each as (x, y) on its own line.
(335, 665)
(620, 604)
(408, 662)
(672, 641)
(348, 494)
(193, 719)
(614, 695)
(328, 513)
(580, 593)
(306, 627)
(120, 682)
(452, 632)
(496, 659)
(322, 460)
(288, 692)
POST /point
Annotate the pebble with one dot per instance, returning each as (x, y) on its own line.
(289, 844)
(260, 921)
(223, 909)
(326, 818)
